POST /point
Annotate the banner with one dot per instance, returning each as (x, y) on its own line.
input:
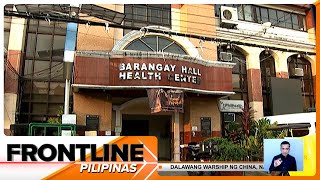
(166, 101)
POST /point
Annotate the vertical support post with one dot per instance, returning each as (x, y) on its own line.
(176, 137)
(118, 120)
(66, 97)
(68, 59)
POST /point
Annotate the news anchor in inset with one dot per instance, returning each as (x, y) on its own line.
(283, 162)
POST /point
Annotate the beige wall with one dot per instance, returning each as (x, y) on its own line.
(312, 60)
(10, 100)
(17, 34)
(311, 34)
(95, 105)
(142, 108)
(204, 107)
(96, 37)
(198, 19)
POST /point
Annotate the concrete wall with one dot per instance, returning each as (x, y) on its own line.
(203, 107)
(10, 100)
(186, 18)
(96, 37)
(197, 19)
(93, 104)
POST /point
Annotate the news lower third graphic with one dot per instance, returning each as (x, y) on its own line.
(114, 157)
(210, 167)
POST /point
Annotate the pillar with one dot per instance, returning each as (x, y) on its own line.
(176, 137)
(68, 59)
(312, 60)
(254, 82)
(11, 81)
(281, 64)
(118, 120)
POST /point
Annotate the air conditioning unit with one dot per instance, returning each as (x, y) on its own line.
(297, 72)
(225, 56)
(229, 17)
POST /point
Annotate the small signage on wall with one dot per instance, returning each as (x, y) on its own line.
(92, 122)
(108, 133)
(231, 105)
(205, 126)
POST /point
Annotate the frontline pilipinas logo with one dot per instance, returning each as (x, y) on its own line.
(152, 71)
(132, 157)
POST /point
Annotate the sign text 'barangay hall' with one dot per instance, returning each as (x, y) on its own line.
(154, 71)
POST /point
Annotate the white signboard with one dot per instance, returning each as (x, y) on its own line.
(65, 133)
(231, 105)
(69, 119)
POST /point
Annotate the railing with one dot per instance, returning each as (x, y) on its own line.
(33, 127)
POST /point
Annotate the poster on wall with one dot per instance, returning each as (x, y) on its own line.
(166, 101)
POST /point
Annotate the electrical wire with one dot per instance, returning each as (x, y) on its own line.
(150, 30)
(272, 25)
(215, 34)
(205, 17)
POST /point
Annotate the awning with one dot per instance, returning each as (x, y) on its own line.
(85, 86)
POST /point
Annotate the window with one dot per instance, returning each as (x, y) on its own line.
(146, 15)
(295, 22)
(42, 89)
(288, 20)
(156, 44)
(259, 14)
(239, 81)
(239, 74)
(307, 88)
(248, 12)
(273, 17)
(281, 22)
(264, 15)
(267, 68)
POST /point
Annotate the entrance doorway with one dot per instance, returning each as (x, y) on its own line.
(135, 127)
(150, 125)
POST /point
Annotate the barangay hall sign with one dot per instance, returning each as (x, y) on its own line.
(154, 71)
(126, 72)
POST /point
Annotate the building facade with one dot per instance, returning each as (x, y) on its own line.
(112, 69)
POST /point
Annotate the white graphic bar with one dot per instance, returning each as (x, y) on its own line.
(210, 167)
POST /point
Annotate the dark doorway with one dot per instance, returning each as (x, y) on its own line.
(150, 125)
(135, 127)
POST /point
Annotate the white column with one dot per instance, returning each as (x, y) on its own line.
(176, 138)
(66, 97)
(118, 119)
